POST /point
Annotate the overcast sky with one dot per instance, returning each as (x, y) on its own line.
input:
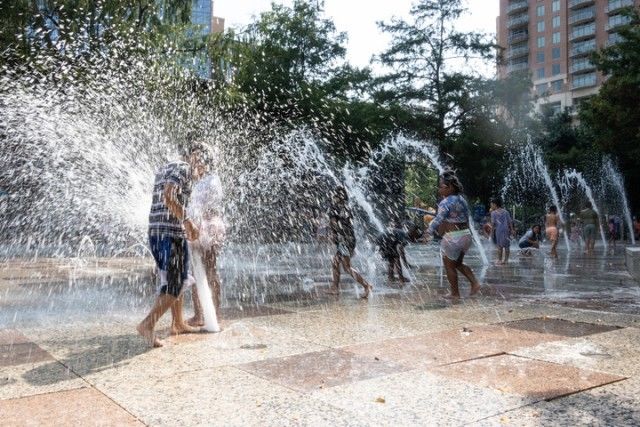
(358, 19)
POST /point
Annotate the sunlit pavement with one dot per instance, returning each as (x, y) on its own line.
(548, 342)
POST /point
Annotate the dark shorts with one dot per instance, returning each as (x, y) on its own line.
(589, 232)
(345, 249)
(172, 256)
(525, 245)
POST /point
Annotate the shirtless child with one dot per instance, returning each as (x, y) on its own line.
(552, 222)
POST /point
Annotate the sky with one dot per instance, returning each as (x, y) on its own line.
(358, 19)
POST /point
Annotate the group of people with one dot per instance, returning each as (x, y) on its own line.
(174, 227)
(172, 230)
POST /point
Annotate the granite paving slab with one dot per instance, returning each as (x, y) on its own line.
(417, 397)
(80, 407)
(555, 326)
(223, 396)
(440, 348)
(36, 378)
(532, 378)
(17, 349)
(614, 352)
(315, 370)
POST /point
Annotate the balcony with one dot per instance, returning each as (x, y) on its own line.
(583, 48)
(581, 66)
(517, 6)
(512, 68)
(518, 21)
(518, 52)
(583, 15)
(519, 36)
(574, 4)
(616, 5)
(586, 80)
(614, 38)
(617, 21)
(581, 33)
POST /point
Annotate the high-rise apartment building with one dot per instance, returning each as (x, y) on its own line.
(202, 16)
(553, 40)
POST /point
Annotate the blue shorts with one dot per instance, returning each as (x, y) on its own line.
(172, 259)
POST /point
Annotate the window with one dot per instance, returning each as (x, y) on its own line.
(556, 21)
(555, 53)
(540, 10)
(555, 69)
(541, 41)
(539, 57)
(541, 89)
(556, 85)
(540, 73)
(555, 6)
(556, 37)
(540, 26)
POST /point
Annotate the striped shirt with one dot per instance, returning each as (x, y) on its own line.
(161, 220)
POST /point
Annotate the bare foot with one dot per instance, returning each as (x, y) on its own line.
(452, 297)
(404, 280)
(149, 336)
(196, 321)
(474, 289)
(332, 291)
(183, 329)
(367, 291)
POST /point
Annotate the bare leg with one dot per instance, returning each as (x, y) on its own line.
(390, 268)
(145, 328)
(554, 251)
(398, 266)
(452, 276)
(468, 273)
(346, 263)
(507, 251)
(198, 317)
(178, 325)
(335, 272)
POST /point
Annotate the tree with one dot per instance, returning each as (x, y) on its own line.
(612, 118)
(421, 56)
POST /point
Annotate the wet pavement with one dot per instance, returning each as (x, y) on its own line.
(547, 342)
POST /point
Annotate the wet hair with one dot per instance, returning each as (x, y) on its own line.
(553, 209)
(449, 178)
(536, 225)
(196, 147)
(497, 201)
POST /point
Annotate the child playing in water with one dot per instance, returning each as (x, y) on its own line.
(552, 222)
(502, 229)
(391, 246)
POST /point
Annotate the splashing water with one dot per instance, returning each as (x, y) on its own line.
(613, 176)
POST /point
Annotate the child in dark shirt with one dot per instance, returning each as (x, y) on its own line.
(391, 245)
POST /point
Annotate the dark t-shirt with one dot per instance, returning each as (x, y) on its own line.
(341, 224)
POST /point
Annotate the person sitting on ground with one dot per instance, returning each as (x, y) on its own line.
(391, 245)
(531, 239)
(344, 237)
(452, 223)
(169, 230)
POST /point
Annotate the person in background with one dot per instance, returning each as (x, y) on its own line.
(502, 230)
(531, 239)
(391, 245)
(552, 223)
(452, 223)
(590, 220)
(343, 236)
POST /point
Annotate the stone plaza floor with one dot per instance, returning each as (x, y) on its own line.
(548, 343)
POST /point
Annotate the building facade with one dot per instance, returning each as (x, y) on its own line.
(202, 17)
(553, 39)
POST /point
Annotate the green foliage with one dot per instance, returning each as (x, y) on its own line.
(420, 58)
